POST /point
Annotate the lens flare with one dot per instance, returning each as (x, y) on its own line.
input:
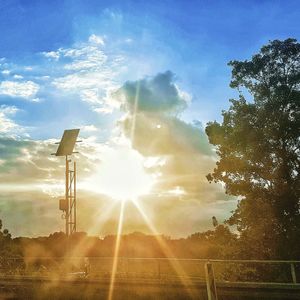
(185, 280)
(121, 175)
(116, 252)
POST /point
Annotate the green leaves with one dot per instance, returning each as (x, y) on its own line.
(258, 142)
(274, 72)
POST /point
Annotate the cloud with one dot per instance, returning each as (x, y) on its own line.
(52, 54)
(26, 89)
(175, 152)
(7, 126)
(152, 122)
(157, 95)
(16, 76)
(88, 57)
(89, 128)
(25, 161)
(96, 39)
(168, 134)
(30, 162)
(86, 70)
(32, 181)
(5, 72)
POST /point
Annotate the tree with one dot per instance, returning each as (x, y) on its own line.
(5, 241)
(4, 234)
(258, 144)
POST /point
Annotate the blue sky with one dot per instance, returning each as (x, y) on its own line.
(64, 64)
(193, 39)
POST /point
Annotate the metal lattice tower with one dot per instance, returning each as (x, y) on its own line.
(68, 204)
(70, 198)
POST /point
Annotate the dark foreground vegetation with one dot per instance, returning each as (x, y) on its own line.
(78, 290)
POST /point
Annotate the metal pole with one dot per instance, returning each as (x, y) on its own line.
(67, 196)
(210, 282)
(71, 177)
(75, 220)
(294, 278)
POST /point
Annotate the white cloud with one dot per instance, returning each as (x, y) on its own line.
(7, 126)
(184, 95)
(52, 54)
(89, 128)
(5, 72)
(104, 110)
(25, 89)
(89, 57)
(96, 39)
(16, 76)
(91, 96)
(36, 100)
(91, 74)
(77, 81)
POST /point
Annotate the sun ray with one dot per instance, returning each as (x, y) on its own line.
(135, 108)
(183, 277)
(116, 253)
(105, 215)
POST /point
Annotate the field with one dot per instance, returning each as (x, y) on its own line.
(86, 289)
(78, 278)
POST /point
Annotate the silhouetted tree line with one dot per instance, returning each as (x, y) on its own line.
(210, 244)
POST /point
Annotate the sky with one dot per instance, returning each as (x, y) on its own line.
(140, 79)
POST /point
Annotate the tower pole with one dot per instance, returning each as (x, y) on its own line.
(75, 178)
(68, 204)
(71, 178)
(67, 196)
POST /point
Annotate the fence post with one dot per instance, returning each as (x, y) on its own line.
(293, 273)
(158, 265)
(210, 282)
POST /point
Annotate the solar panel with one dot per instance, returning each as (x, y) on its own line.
(67, 142)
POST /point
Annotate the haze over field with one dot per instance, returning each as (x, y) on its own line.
(141, 81)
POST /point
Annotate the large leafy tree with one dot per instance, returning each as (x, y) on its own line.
(258, 144)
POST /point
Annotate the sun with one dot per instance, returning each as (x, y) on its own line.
(121, 175)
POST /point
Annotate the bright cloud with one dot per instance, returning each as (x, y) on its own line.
(89, 128)
(152, 106)
(96, 39)
(26, 89)
(89, 72)
(16, 76)
(7, 126)
(51, 54)
(5, 72)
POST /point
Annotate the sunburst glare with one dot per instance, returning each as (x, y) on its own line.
(121, 175)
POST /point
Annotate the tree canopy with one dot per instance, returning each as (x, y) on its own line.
(258, 144)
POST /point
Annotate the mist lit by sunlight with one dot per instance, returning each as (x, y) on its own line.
(121, 175)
